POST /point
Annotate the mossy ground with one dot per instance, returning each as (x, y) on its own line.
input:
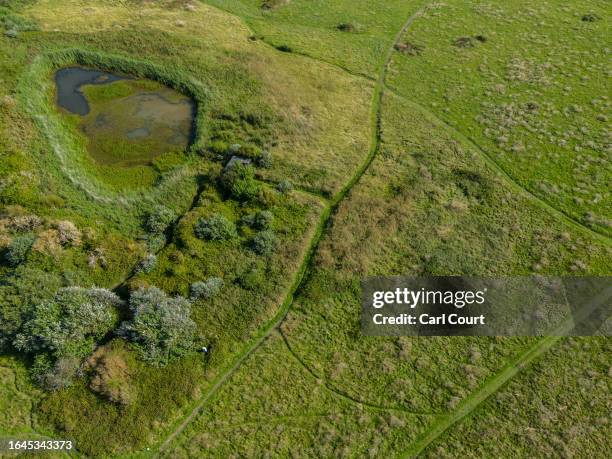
(431, 202)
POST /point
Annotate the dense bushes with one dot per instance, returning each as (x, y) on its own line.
(18, 249)
(263, 220)
(60, 332)
(215, 228)
(161, 327)
(285, 187)
(70, 323)
(19, 293)
(148, 263)
(159, 220)
(239, 182)
(264, 243)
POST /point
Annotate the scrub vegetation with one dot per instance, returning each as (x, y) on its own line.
(202, 299)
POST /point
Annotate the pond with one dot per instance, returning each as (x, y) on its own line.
(127, 121)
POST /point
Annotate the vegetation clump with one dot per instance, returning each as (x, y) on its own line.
(349, 27)
(265, 159)
(263, 220)
(148, 263)
(264, 243)
(18, 249)
(408, 48)
(285, 186)
(273, 4)
(161, 327)
(159, 220)
(206, 289)
(215, 228)
(463, 42)
(62, 331)
(239, 182)
(68, 233)
(590, 17)
(110, 374)
(284, 48)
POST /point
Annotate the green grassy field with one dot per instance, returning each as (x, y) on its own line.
(385, 138)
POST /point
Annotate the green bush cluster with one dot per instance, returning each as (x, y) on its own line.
(18, 249)
(260, 220)
(148, 263)
(159, 219)
(206, 289)
(215, 228)
(264, 243)
(60, 332)
(239, 182)
(161, 327)
(20, 292)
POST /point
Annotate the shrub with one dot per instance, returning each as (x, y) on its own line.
(156, 242)
(19, 293)
(148, 263)
(349, 27)
(264, 243)
(215, 228)
(590, 17)
(68, 233)
(69, 324)
(239, 182)
(463, 42)
(219, 147)
(285, 186)
(254, 279)
(234, 149)
(265, 160)
(206, 289)
(272, 4)
(410, 49)
(58, 375)
(161, 327)
(263, 219)
(18, 249)
(159, 220)
(284, 48)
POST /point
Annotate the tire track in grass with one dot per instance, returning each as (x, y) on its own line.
(302, 274)
(331, 388)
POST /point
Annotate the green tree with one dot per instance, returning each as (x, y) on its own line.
(161, 326)
(239, 182)
(215, 228)
(70, 324)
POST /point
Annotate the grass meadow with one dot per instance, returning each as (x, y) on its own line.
(388, 138)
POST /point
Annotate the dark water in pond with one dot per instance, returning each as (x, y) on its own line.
(69, 81)
(127, 121)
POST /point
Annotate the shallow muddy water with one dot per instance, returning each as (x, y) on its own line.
(127, 121)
